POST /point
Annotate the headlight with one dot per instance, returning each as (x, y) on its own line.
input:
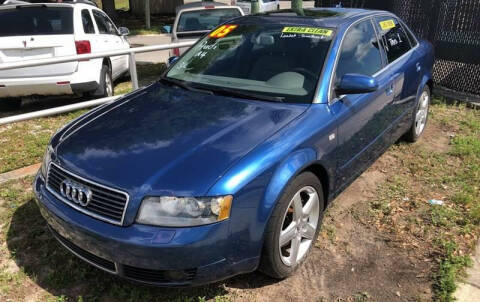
(184, 211)
(47, 158)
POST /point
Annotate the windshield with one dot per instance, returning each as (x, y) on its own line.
(205, 19)
(30, 21)
(272, 60)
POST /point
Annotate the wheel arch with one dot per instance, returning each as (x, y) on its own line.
(304, 160)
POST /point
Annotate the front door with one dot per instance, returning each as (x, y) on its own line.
(361, 118)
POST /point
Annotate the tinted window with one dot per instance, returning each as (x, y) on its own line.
(206, 19)
(394, 37)
(87, 22)
(266, 59)
(413, 41)
(105, 26)
(29, 21)
(360, 52)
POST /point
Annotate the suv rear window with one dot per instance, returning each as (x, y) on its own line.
(37, 20)
(205, 19)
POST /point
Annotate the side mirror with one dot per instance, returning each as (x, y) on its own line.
(123, 31)
(172, 60)
(167, 29)
(352, 83)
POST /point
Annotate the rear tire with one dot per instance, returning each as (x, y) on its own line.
(10, 104)
(420, 117)
(293, 227)
(105, 88)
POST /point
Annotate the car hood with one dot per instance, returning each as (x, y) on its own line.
(166, 140)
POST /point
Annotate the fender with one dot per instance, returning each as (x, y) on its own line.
(286, 171)
(423, 82)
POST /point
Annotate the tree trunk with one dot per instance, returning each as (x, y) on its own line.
(108, 7)
(297, 4)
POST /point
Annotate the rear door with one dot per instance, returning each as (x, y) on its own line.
(403, 64)
(36, 32)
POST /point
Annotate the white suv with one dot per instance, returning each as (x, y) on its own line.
(38, 31)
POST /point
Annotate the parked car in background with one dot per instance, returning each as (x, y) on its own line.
(265, 5)
(39, 31)
(195, 19)
(227, 163)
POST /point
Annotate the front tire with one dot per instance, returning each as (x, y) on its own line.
(420, 117)
(293, 227)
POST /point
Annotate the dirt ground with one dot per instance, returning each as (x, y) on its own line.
(354, 260)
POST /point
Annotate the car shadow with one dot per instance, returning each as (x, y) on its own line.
(53, 268)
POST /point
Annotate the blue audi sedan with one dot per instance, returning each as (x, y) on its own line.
(227, 163)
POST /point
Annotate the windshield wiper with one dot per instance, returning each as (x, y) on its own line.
(183, 85)
(247, 95)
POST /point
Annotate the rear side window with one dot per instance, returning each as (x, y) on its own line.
(394, 37)
(205, 19)
(87, 22)
(360, 51)
(31, 21)
(105, 26)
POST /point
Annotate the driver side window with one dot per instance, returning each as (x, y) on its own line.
(360, 52)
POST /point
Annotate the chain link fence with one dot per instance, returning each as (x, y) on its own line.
(452, 26)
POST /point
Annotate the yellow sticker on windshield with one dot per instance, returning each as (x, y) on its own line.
(387, 24)
(222, 31)
(307, 30)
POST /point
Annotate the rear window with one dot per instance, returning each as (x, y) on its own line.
(30, 21)
(205, 20)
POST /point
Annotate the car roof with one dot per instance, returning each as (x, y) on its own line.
(318, 16)
(200, 4)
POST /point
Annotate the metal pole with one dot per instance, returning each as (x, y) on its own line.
(297, 4)
(147, 14)
(133, 70)
(255, 8)
(64, 59)
(57, 110)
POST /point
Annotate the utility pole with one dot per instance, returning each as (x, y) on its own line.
(255, 9)
(147, 14)
(297, 4)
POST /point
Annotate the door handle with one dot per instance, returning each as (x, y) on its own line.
(419, 67)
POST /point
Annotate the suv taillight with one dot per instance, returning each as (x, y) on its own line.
(83, 47)
(176, 52)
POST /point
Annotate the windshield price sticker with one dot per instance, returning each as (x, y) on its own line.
(308, 30)
(223, 31)
(387, 24)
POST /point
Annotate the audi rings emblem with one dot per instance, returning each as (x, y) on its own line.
(76, 192)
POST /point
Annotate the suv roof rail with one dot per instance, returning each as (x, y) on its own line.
(15, 2)
(81, 1)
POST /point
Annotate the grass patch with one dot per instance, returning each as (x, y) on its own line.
(24, 143)
(427, 172)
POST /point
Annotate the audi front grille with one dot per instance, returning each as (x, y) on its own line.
(106, 203)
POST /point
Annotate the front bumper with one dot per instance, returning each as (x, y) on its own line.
(147, 254)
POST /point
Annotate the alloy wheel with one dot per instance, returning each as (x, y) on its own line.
(108, 84)
(422, 113)
(299, 226)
